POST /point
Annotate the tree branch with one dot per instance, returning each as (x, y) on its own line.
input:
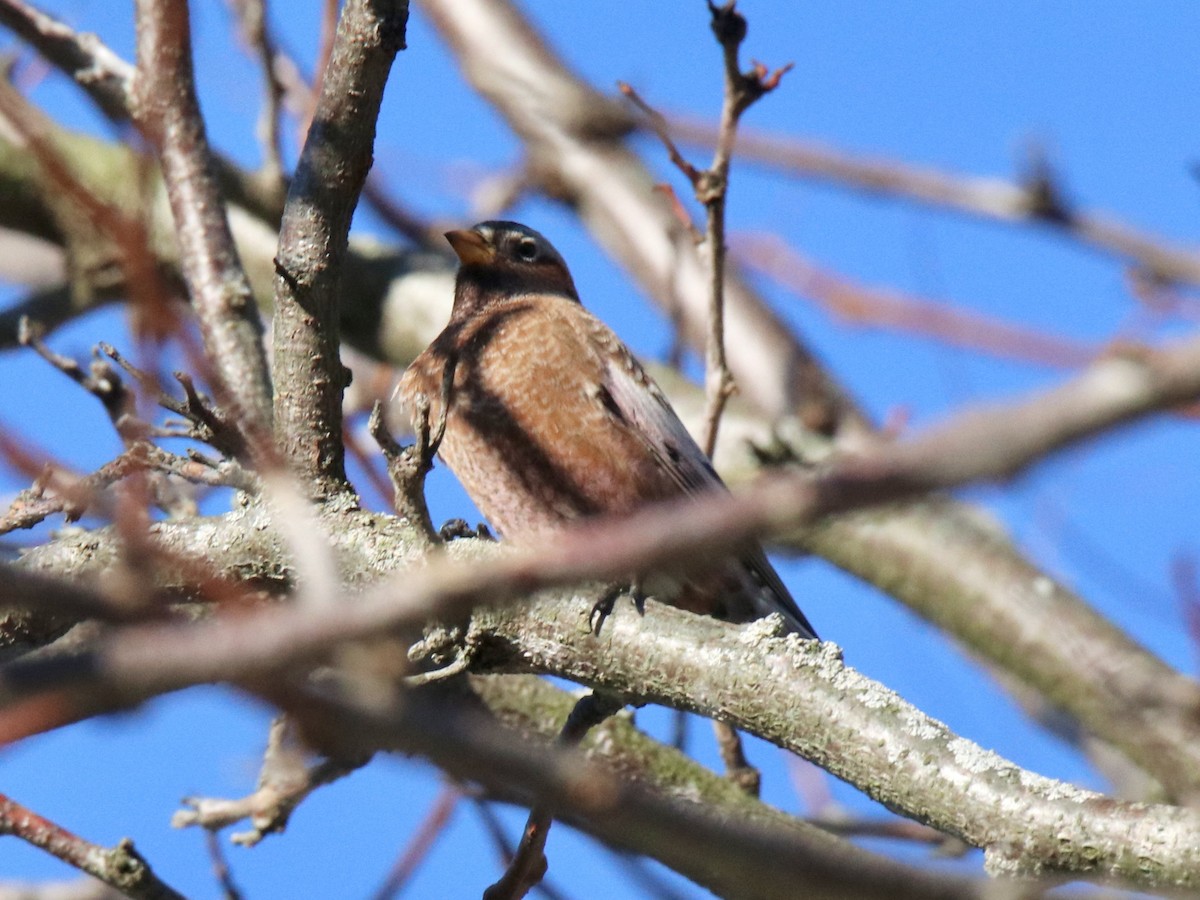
(906, 760)
(167, 112)
(121, 867)
(987, 198)
(309, 375)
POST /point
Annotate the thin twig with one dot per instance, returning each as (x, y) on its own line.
(528, 865)
(121, 867)
(733, 756)
(252, 20)
(101, 381)
(862, 305)
(167, 112)
(742, 89)
(711, 187)
(220, 867)
(422, 842)
(408, 466)
(285, 780)
(996, 199)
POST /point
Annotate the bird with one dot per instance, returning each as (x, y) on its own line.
(546, 418)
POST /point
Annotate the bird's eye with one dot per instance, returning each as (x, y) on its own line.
(527, 249)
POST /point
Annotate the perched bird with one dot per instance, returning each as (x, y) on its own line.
(550, 418)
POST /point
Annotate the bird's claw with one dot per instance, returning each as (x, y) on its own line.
(603, 607)
(453, 529)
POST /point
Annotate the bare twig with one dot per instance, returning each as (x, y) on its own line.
(408, 466)
(711, 187)
(101, 381)
(859, 304)
(284, 781)
(167, 112)
(528, 865)
(121, 867)
(57, 490)
(422, 842)
(733, 756)
(252, 19)
(105, 76)
(1020, 203)
(333, 165)
(504, 847)
(220, 867)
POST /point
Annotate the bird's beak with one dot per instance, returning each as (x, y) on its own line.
(471, 246)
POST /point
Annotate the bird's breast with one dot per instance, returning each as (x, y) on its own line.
(528, 434)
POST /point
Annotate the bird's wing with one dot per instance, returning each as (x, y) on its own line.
(632, 396)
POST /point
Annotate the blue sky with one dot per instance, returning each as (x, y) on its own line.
(1107, 89)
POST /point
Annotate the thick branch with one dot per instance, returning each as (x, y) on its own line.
(729, 855)
(538, 709)
(1113, 390)
(817, 707)
(309, 375)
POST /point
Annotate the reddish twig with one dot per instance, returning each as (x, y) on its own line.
(120, 867)
(528, 865)
(887, 309)
(422, 842)
(149, 292)
(167, 112)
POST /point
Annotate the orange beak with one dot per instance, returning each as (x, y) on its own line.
(471, 247)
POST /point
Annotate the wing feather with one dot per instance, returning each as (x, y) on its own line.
(632, 396)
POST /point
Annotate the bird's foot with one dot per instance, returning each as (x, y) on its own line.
(453, 529)
(603, 607)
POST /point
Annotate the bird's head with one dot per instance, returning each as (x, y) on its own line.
(503, 260)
